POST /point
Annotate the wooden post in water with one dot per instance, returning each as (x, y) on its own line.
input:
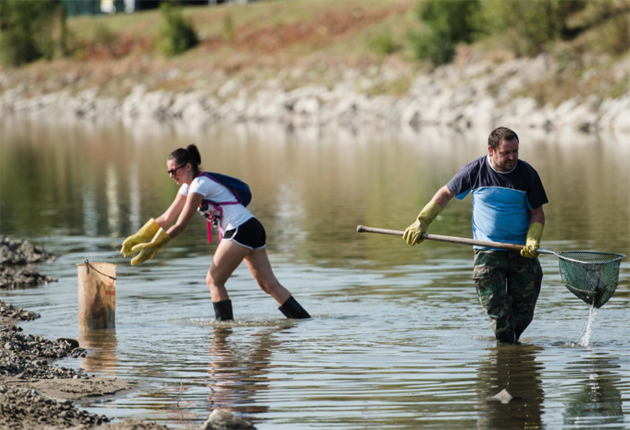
(97, 295)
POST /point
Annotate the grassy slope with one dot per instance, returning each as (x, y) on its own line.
(297, 41)
(267, 32)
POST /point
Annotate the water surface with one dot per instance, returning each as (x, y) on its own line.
(397, 340)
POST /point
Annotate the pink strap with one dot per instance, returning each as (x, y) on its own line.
(217, 207)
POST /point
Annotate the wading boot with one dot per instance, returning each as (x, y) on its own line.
(292, 309)
(223, 310)
(507, 337)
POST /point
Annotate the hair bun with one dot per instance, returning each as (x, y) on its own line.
(194, 154)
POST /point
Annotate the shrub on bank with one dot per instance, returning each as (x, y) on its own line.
(176, 34)
(526, 27)
(383, 44)
(26, 31)
(446, 24)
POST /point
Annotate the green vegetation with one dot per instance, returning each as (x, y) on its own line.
(176, 34)
(446, 24)
(383, 44)
(527, 27)
(26, 28)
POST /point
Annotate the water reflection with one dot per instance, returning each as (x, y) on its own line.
(237, 373)
(596, 403)
(515, 369)
(98, 180)
(101, 345)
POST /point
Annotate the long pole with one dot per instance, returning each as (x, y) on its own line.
(450, 239)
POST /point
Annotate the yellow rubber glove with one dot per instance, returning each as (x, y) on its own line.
(534, 233)
(147, 231)
(413, 234)
(148, 250)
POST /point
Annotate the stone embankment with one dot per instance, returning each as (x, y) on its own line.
(480, 94)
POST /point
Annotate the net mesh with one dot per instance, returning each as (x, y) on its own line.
(592, 276)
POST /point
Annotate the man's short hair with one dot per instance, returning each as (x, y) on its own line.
(501, 133)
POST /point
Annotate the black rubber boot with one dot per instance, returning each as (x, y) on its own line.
(223, 310)
(292, 309)
(507, 337)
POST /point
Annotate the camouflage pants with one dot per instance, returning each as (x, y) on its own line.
(508, 286)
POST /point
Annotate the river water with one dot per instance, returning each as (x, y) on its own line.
(397, 340)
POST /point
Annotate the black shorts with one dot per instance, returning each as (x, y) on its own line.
(251, 234)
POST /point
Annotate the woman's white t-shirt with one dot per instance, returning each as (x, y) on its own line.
(233, 215)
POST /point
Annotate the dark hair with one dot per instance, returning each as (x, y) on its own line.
(500, 133)
(190, 154)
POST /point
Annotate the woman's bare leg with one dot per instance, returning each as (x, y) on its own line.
(260, 267)
(226, 259)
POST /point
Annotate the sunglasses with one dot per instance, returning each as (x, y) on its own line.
(172, 171)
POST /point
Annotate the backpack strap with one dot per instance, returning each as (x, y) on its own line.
(234, 193)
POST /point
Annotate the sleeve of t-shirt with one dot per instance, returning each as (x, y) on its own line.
(536, 193)
(196, 186)
(209, 189)
(460, 183)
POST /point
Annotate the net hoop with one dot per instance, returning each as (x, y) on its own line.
(613, 257)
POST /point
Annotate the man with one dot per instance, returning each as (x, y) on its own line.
(507, 207)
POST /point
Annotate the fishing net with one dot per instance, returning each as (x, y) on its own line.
(592, 276)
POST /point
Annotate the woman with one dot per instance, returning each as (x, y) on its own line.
(243, 238)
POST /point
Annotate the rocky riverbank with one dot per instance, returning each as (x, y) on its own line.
(34, 393)
(17, 260)
(37, 394)
(475, 92)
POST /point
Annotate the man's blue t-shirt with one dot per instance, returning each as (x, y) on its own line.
(501, 200)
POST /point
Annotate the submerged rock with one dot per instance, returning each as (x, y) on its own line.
(221, 420)
(503, 396)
